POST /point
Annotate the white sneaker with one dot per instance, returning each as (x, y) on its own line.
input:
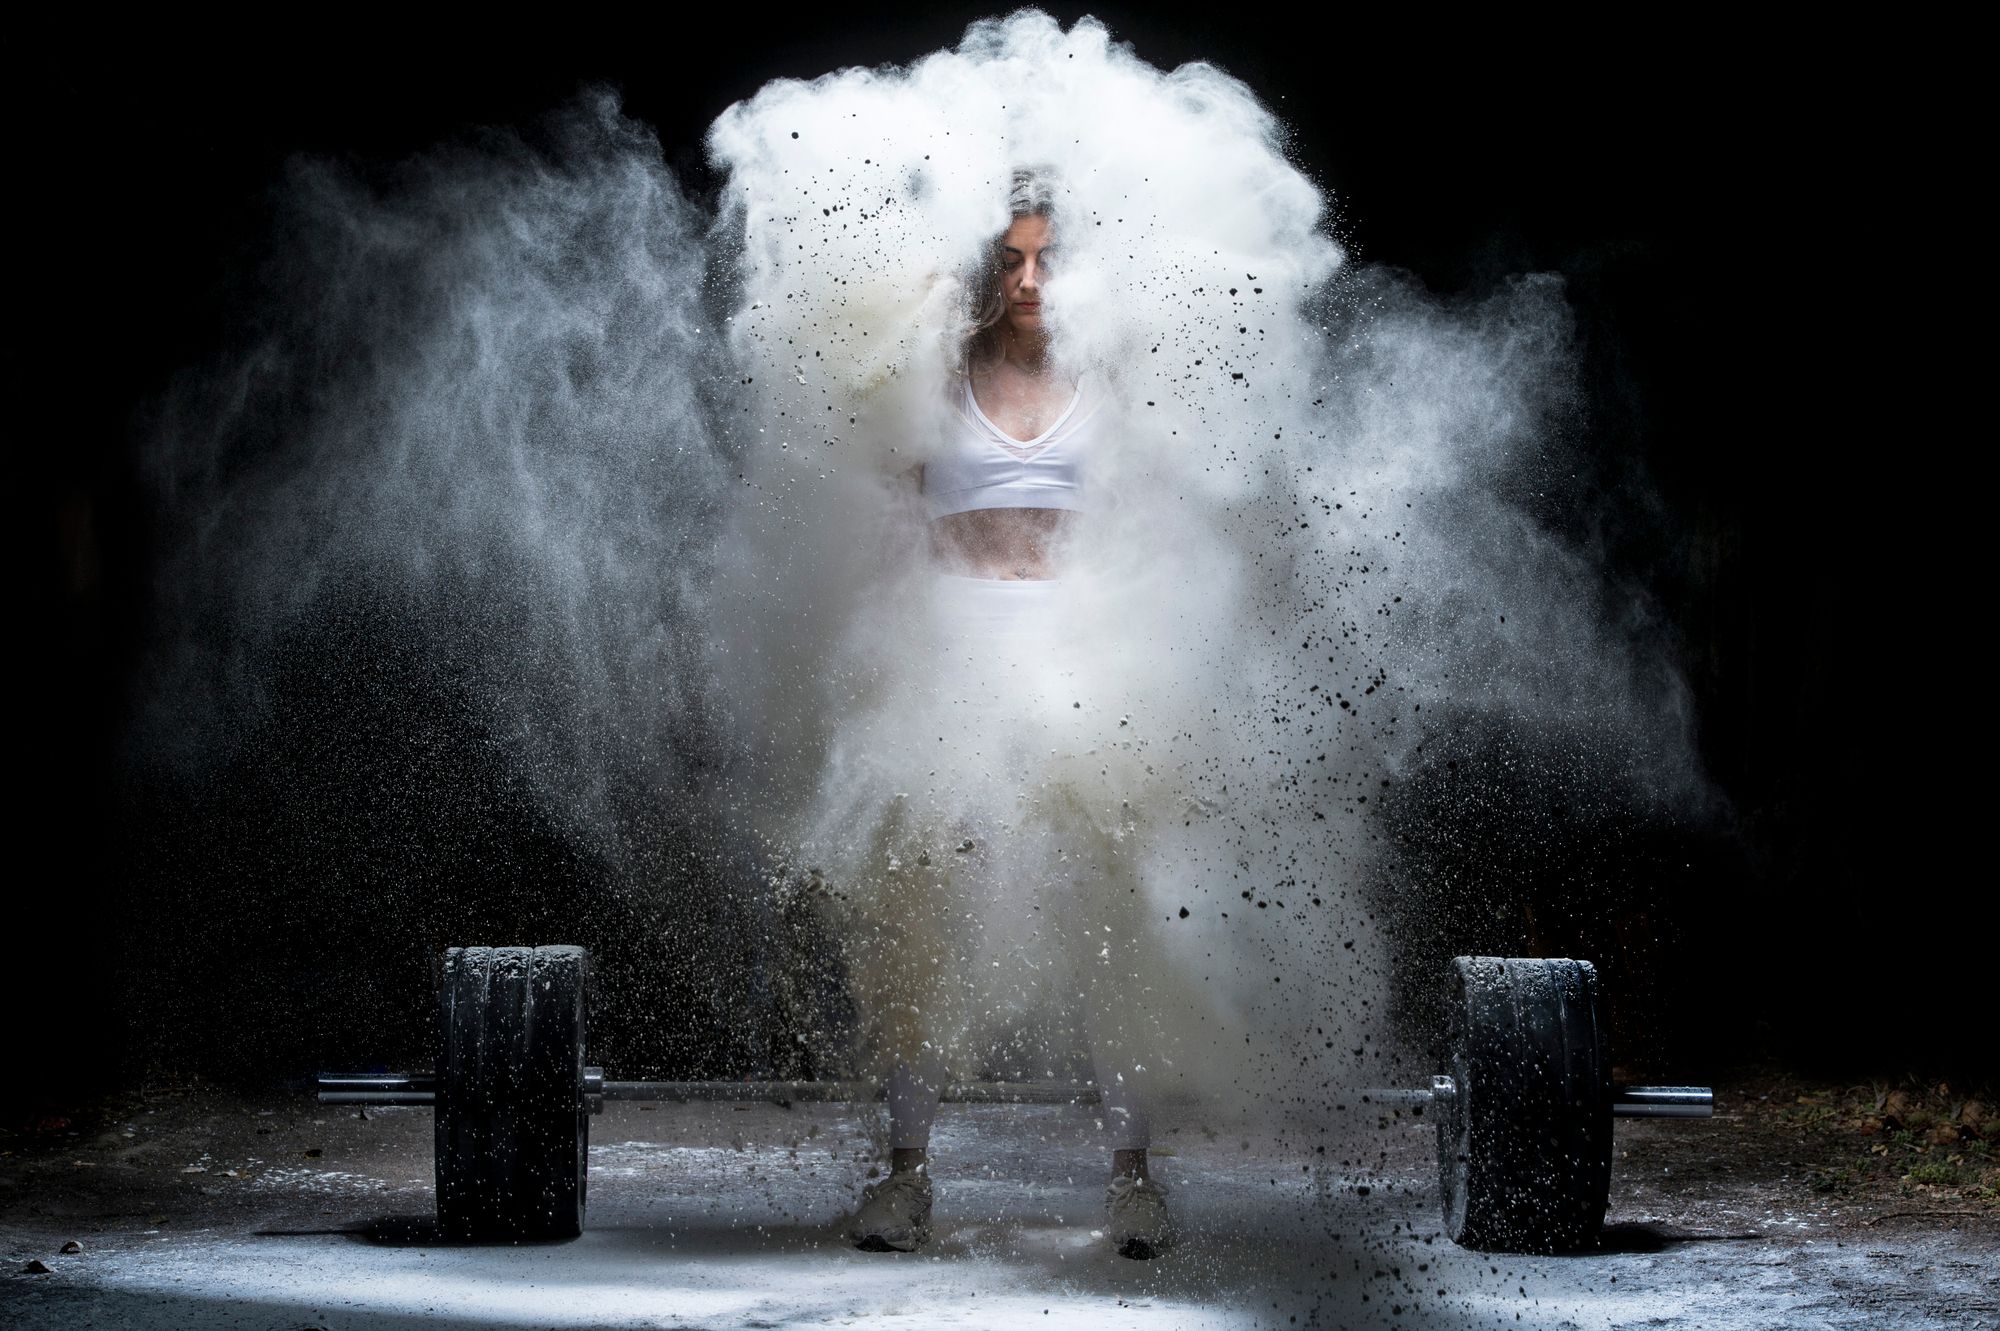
(895, 1213)
(1140, 1226)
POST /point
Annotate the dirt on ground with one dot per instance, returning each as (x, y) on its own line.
(1857, 1155)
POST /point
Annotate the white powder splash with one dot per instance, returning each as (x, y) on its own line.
(642, 476)
(1299, 539)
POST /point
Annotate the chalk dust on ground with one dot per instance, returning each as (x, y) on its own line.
(1799, 1204)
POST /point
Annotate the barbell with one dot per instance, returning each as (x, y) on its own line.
(1523, 1114)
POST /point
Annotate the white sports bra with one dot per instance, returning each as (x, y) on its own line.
(979, 465)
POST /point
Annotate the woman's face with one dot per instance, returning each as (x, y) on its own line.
(1023, 268)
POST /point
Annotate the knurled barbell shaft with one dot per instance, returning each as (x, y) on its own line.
(396, 1088)
(805, 1092)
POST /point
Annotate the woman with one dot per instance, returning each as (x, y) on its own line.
(1002, 495)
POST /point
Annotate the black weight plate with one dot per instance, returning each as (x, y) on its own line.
(1583, 1145)
(1524, 1144)
(555, 1127)
(512, 1128)
(468, 1187)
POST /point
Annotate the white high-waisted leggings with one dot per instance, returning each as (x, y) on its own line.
(1006, 617)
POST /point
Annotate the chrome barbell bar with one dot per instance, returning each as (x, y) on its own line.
(397, 1088)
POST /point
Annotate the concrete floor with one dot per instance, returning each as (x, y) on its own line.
(212, 1213)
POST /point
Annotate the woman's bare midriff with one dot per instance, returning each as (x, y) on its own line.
(1006, 543)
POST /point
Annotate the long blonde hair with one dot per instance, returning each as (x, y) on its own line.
(1031, 193)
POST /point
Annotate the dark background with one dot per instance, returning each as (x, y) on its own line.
(1709, 207)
